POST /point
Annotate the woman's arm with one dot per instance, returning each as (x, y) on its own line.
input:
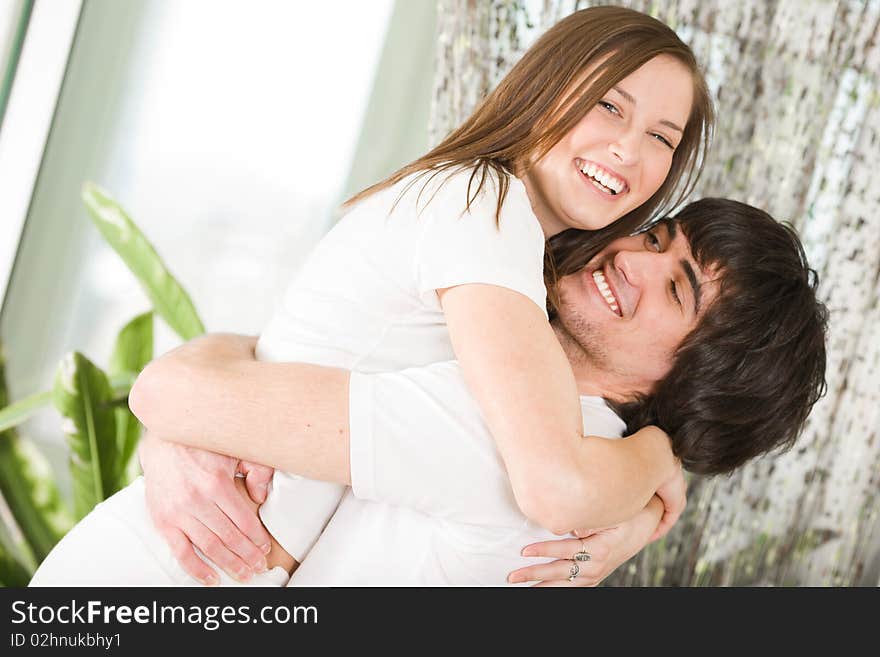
(608, 549)
(524, 384)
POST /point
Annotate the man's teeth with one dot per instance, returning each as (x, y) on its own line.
(599, 277)
(613, 184)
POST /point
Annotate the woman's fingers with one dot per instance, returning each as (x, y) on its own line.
(562, 549)
(673, 494)
(559, 583)
(557, 573)
(582, 559)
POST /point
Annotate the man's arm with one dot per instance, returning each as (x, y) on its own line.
(212, 394)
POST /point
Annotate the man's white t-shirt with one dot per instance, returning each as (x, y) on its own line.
(366, 300)
(430, 503)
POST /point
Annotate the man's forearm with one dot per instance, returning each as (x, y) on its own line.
(212, 394)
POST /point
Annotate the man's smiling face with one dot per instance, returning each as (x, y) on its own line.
(622, 317)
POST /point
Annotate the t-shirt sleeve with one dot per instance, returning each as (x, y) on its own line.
(457, 247)
(418, 440)
(297, 510)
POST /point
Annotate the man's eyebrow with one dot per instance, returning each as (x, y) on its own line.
(695, 284)
(629, 97)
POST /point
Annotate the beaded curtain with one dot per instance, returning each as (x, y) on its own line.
(795, 84)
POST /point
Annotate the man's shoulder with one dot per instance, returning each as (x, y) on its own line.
(600, 419)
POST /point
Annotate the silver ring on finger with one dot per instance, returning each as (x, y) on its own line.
(573, 571)
(583, 555)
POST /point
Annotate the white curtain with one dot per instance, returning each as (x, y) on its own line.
(796, 90)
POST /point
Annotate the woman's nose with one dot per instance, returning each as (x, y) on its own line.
(624, 149)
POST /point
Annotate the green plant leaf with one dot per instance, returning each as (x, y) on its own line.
(132, 352)
(23, 409)
(29, 491)
(133, 348)
(32, 496)
(82, 394)
(12, 572)
(169, 299)
(20, 411)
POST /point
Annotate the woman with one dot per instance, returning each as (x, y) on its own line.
(596, 128)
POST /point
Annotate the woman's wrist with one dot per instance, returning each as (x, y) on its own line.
(657, 446)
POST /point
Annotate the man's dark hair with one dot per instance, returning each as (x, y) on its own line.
(742, 382)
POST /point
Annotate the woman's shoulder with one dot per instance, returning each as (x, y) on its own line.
(466, 189)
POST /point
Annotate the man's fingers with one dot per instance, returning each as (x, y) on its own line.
(257, 485)
(233, 539)
(249, 537)
(257, 479)
(186, 556)
(211, 546)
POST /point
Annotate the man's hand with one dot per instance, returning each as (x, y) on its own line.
(193, 501)
(607, 549)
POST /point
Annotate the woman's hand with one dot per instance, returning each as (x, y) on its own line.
(673, 494)
(193, 502)
(606, 549)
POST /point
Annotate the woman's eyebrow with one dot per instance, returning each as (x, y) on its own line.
(629, 97)
(626, 95)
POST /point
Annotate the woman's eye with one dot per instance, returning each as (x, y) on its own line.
(652, 241)
(664, 140)
(608, 106)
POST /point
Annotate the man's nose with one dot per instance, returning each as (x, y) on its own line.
(640, 266)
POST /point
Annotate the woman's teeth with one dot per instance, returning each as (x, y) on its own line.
(603, 180)
(599, 277)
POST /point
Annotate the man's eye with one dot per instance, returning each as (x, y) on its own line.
(652, 241)
(674, 292)
(608, 106)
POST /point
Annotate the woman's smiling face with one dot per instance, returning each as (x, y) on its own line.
(618, 155)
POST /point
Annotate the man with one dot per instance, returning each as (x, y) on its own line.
(707, 326)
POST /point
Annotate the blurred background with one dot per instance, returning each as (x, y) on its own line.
(231, 131)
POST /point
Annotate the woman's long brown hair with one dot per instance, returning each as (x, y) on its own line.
(556, 82)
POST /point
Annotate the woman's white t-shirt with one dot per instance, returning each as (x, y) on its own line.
(366, 300)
